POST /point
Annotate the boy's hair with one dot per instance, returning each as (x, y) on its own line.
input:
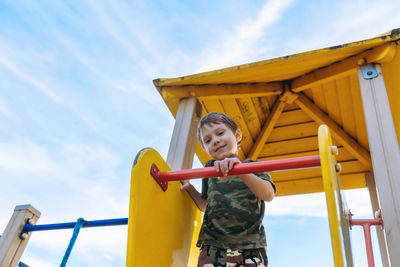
(216, 118)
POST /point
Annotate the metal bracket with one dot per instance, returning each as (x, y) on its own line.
(369, 71)
(154, 171)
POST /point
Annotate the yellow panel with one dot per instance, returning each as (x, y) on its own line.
(319, 97)
(391, 75)
(163, 223)
(348, 168)
(332, 102)
(359, 119)
(283, 68)
(250, 116)
(262, 107)
(213, 106)
(289, 146)
(314, 185)
(344, 155)
(296, 131)
(293, 117)
(232, 109)
(346, 105)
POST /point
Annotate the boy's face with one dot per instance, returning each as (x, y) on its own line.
(219, 141)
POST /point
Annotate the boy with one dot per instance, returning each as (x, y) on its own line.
(232, 233)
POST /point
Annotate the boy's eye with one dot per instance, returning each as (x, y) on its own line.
(207, 141)
(221, 133)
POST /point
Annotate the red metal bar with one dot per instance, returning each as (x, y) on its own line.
(243, 168)
(366, 225)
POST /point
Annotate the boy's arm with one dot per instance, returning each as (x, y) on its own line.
(261, 188)
(200, 202)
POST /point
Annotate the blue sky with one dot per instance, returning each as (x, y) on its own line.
(77, 103)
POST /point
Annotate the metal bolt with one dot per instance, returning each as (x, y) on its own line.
(338, 167)
(334, 150)
(369, 73)
(24, 236)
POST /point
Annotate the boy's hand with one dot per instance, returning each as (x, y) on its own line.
(225, 166)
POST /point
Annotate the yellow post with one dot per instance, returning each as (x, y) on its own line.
(336, 205)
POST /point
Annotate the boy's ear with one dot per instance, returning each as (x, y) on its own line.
(238, 135)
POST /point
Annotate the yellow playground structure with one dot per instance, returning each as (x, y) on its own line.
(321, 121)
(279, 104)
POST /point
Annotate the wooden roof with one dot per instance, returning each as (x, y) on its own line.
(279, 104)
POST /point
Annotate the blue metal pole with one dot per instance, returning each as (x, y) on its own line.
(69, 225)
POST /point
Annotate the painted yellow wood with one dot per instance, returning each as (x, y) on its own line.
(213, 105)
(344, 155)
(232, 109)
(266, 130)
(282, 68)
(344, 139)
(262, 108)
(314, 185)
(289, 146)
(249, 114)
(391, 75)
(348, 167)
(165, 223)
(293, 131)
(319, 97)
(293, 117)
(359, 119)
(326, 75)
(220, 91)
(339, 226)
(345, 103)
(332, 104)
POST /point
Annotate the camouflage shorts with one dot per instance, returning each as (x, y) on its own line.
(217, 257)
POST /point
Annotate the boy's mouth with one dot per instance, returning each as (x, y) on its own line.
(218, 148)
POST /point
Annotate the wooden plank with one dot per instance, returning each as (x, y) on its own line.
(293, 117)
(250, 116)
(314, 185)
(332, 102)
(213, 105)
(358, 110)
(344, 155)
(11, 245)
(345, 102)
(289, 146)
(296, 131)
(370, 180)
(319, 97)
(266, 130)
(337, 132)
(348, 167)
(325, 75)
(232, 109)
(183, 140)
(262, 107)
(222, 91)
(385, 156)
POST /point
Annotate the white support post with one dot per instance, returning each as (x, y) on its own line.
(183, 142)
(385, 153)
(11, 244)
(370, 180)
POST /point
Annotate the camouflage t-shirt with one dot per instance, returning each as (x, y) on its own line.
(233, 216)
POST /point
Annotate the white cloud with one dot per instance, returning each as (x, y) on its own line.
(26, 157)
(242, 44)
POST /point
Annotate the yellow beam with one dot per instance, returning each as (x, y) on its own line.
(266, 130)
(338, 133)
(346, 67)
(220, 91)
